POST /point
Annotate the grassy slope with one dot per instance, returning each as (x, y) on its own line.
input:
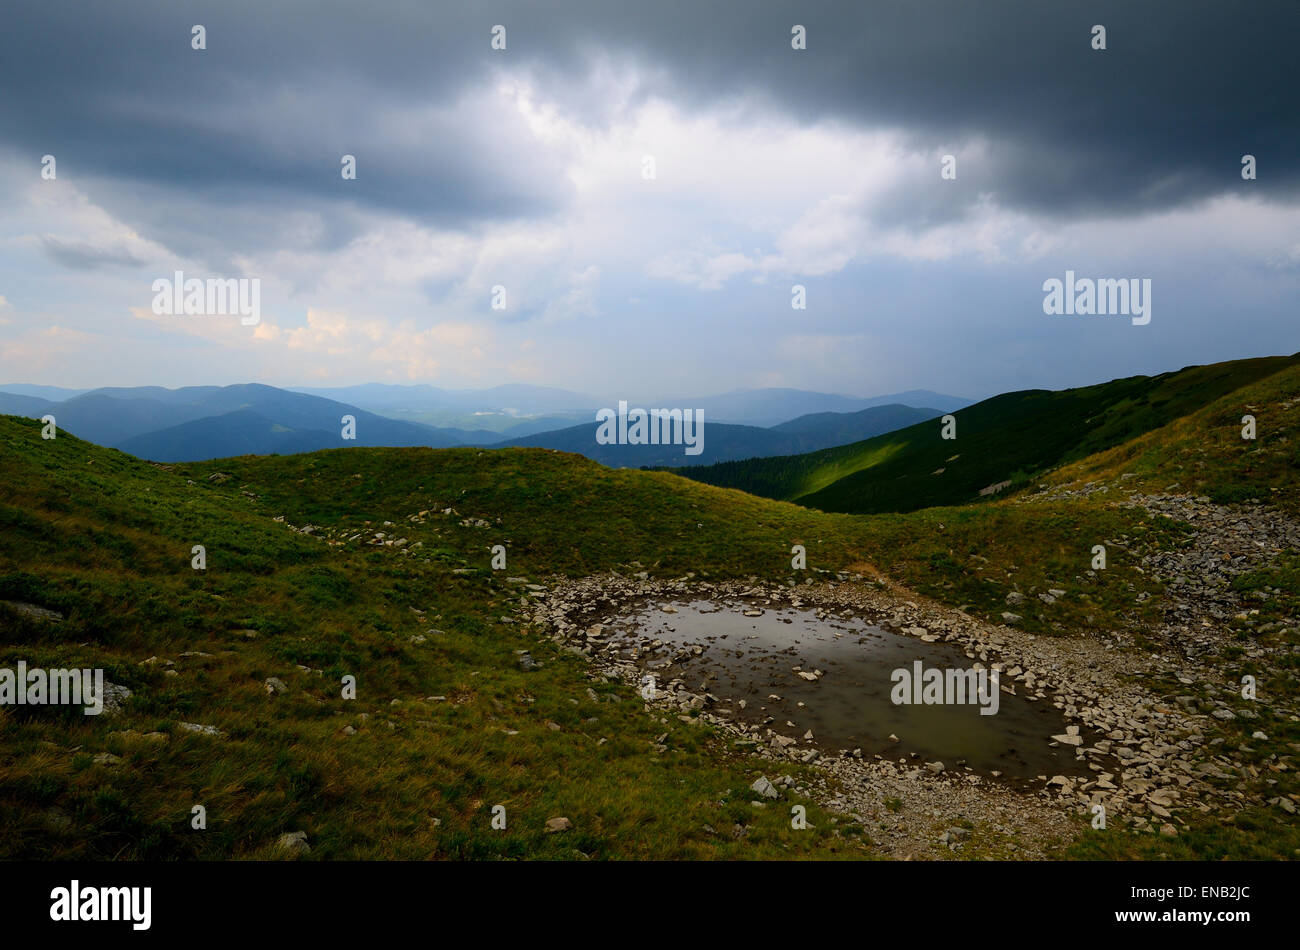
(1204, 452)
(106, 539)
(1014, 436)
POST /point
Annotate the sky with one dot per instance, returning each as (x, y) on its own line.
(525, 168)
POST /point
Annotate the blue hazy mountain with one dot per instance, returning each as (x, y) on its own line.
(52, 393)
(522, 398)
(755, 407)
(201, 422)
(242, 432)
(770, 407)
(19, 404)
(198, 422)
(725, 442)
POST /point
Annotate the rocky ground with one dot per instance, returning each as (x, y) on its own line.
(1226, 543)
(1149, 761)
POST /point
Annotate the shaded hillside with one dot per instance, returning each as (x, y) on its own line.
(1010, 438)
(1205, 453)
(242, 432)
(826, 429)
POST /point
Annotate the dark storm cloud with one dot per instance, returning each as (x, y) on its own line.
(262, 117)
(1158, 119)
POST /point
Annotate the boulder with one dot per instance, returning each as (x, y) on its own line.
(294, 843)
(765, 788)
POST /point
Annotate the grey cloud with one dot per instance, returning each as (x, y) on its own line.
(83, 256)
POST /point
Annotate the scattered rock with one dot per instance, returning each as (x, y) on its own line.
(294, 843)
(114, 697)
(201, 729)
(765, 788)
(33, 611)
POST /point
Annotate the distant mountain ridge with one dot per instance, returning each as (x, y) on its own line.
(242, 432)
(726, 442)
(199, 422)
(52, 393)
(535, 400)
(194, 423)
(772, 407)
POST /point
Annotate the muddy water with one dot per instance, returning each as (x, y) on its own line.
(753, 659)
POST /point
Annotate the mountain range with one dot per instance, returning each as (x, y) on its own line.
(725, 441)
(202, 422)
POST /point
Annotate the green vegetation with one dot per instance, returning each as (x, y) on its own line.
(445, 728)
(106, 539)
(1204, 453)
(1014, 437)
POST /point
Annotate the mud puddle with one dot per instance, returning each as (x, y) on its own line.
(751, 664)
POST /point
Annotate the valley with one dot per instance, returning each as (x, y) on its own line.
(1166, 680)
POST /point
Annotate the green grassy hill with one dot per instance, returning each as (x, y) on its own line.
(106, 539)
(1014, 437)
(1204, 453)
